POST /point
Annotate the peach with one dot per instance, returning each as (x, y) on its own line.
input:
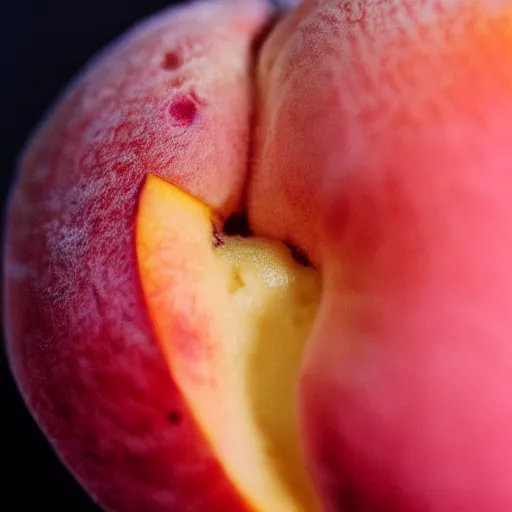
(176, 365)
(400, 150)
(232, 317)
(79, 338)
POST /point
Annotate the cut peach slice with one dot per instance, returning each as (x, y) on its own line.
(232, 317)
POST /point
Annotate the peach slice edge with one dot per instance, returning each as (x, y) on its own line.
(231, 321)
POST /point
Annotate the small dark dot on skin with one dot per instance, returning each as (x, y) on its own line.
(171, 61)
(174, 417)
(183, 110)
(299, 256)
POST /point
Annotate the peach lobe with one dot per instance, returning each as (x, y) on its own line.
(232, 316)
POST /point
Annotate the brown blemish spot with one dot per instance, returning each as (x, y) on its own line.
(183, 110)
(171, 61)
(218, 239)
(299, 256)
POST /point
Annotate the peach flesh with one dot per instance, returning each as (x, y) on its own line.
(246, 307)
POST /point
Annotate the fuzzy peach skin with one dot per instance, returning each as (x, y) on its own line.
(382, 148)
(79, 339)
(400, 148)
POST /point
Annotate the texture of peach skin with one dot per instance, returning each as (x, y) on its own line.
(401, 140)
(400, 148)
(79, 341)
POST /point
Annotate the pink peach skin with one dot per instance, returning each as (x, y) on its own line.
(400, 147)
(79, 339)
(382, 148)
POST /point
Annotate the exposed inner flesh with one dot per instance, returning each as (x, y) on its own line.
(232, 321)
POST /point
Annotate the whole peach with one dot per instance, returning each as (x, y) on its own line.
(372, 136)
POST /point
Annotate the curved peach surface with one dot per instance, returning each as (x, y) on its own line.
(79, 340)
(373, 137)
(399, 148)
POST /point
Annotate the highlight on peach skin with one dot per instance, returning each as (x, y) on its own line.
(259, 259)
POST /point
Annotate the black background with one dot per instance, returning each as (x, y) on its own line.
(43, 43)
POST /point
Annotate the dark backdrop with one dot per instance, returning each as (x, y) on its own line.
(43, 43)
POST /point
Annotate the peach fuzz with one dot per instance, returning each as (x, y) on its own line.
(373, 136)
(80, 343)
(400, 150)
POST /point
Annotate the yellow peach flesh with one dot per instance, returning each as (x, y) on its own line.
(232, 322)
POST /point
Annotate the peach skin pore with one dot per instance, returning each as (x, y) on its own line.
(348, 348)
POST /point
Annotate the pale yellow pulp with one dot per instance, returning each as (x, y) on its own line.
(250, 310)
